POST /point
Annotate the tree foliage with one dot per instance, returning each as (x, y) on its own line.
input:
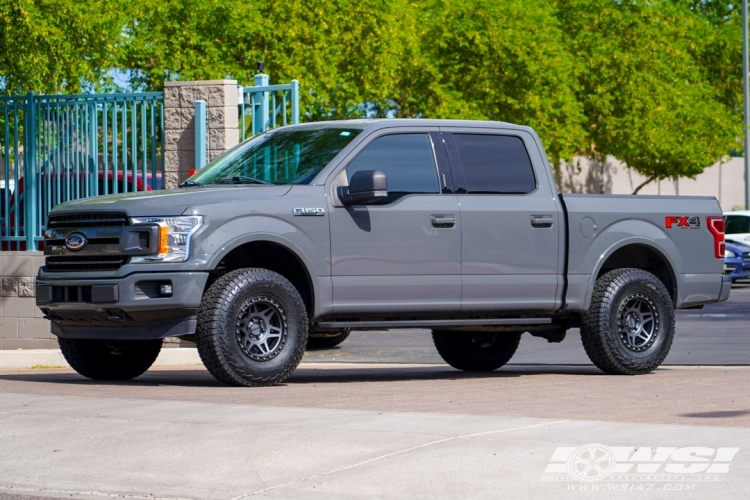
(654, 83)
(57, 45)
(647, 98)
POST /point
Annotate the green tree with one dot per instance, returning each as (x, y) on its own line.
(491, 61)
(54, 46)
(341, 51)
(647, 100)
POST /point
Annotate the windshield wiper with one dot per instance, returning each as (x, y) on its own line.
(189, 183)
(242, 179)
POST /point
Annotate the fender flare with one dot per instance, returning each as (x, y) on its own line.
(649, 243)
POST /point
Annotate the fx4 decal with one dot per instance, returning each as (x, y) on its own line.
(683, 222)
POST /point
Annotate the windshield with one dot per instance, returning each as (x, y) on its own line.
(277, 157)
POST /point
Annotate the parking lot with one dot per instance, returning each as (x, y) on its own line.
(382, 416)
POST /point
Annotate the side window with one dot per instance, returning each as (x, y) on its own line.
(737, 224)
(405, 159)
(495, 164)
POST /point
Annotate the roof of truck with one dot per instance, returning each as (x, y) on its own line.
(412, 122)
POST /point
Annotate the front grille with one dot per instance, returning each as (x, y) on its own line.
(91, 241)
(80, 220)
(85, 263)
(746, 256)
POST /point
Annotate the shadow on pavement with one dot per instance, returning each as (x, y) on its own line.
(199, 377)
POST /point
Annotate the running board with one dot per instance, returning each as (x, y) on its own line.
(433, 323)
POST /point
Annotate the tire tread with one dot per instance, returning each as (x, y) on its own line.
(214, 308)
(595, 324)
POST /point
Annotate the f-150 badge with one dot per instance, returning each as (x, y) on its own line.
(683, 222)
(297, 212)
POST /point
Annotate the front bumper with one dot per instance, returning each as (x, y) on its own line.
(123, 308)
(737, 268)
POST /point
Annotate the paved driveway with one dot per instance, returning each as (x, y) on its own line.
(383, 431)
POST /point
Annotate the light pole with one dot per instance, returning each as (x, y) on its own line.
(746, 103)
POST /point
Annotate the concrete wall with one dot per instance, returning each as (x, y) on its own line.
(725, 181)
(21, 323)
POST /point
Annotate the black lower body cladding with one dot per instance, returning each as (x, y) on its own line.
(252, 328)
(629, 328)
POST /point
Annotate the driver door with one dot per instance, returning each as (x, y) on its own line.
(398, 254)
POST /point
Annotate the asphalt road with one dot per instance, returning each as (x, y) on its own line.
(718, 334)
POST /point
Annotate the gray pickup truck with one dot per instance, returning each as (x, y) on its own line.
(303, 233)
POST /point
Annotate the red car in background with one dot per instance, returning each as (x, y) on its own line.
(71, 186)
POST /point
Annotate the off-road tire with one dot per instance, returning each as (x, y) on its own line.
(604, 331)
(476, 351)
(110, 359)
(327, 341)
(220, 338)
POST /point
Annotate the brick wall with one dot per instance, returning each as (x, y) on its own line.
(21, 323)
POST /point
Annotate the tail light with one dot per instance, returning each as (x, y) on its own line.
(716, 226)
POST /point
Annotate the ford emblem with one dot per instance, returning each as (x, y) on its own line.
(75, 242)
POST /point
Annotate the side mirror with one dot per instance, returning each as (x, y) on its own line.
(365, 187)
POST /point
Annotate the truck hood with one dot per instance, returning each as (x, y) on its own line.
(170, 202)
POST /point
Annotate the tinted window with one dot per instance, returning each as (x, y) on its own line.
(406, 160)
(736, 224)
(495, 164)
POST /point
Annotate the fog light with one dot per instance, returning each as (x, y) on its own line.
(165, 290)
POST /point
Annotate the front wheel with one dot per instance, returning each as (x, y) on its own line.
(110, 359)
(476, 351)
(629, 328)
(252, 328)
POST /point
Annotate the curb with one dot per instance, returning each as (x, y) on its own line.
(53, 358)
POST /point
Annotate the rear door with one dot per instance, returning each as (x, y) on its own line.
(510, 221)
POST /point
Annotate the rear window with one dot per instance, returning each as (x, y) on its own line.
(495, 164)
(737, 224)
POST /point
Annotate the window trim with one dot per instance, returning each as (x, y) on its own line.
(458, 167)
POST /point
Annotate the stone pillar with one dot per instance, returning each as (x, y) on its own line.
(222, 127)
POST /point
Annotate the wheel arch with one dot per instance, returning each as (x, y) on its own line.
(275, 254)
(639, 253)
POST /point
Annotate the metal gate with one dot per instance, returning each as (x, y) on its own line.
(57, 148)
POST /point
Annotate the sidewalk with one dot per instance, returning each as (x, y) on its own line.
(53, 358)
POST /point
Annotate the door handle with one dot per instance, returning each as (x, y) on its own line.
(541, 221)
(443, 221)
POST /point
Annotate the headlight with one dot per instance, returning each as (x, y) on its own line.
(174, 237)
(729, 254)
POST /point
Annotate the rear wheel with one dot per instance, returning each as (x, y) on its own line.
(252, 328)
(327, 340)
(629, 327)
(110, 359)
(476, 351)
